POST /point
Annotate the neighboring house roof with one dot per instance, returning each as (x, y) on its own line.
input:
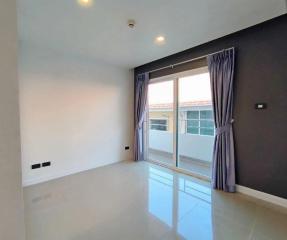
(184, 104)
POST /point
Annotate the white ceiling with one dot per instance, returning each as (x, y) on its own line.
(101, 32)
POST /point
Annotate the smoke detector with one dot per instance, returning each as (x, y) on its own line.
(131, 23)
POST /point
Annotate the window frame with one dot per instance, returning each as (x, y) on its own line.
(159, 118)
(199, 123)
(192, 119)
(175, 155)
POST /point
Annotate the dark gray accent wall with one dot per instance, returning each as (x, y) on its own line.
(260, 76)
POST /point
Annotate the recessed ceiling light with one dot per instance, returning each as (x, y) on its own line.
(85, 3)
(160, 40)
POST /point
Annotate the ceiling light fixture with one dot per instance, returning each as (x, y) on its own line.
(85, 3)
(160, 40)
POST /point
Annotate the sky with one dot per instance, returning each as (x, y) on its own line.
(191, 88)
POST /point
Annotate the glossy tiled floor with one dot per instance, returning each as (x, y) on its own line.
(135, 201)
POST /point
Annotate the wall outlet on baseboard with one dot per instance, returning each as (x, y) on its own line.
(46, 164)
(39, 165)
(35, 166)
(127, 147)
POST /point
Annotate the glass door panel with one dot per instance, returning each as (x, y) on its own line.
(195, 124)
(160, 121)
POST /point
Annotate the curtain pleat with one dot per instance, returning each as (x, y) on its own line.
(141, 91)
(221, 69)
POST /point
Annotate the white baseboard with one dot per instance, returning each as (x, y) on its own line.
(67, 172)
(262, 196)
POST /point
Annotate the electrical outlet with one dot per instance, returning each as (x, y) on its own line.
(46, 164)
(35, 166)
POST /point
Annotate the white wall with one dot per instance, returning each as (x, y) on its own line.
(11, 198)
(75, 112)
(193, 146)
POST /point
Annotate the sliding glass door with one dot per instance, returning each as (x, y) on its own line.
(161, 122)
(196, 124)
(180, 124)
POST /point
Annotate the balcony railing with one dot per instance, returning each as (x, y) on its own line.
(195, 151)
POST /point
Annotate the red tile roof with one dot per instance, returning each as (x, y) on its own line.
(184, 104)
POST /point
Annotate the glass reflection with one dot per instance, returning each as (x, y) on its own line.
(161, 195)
(194, 210)
(180, 203)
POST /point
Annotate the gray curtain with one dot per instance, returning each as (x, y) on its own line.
(141, 91)
(221, 69)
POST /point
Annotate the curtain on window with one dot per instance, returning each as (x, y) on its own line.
(141, 91)
(221, 68)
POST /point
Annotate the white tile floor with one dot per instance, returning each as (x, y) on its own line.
(136, 201)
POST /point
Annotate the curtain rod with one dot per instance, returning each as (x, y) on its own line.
(187, 61)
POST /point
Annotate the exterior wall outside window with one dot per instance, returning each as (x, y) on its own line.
(168, 115)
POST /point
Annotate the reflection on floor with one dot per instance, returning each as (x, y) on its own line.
(192, 165)
(141, 201)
